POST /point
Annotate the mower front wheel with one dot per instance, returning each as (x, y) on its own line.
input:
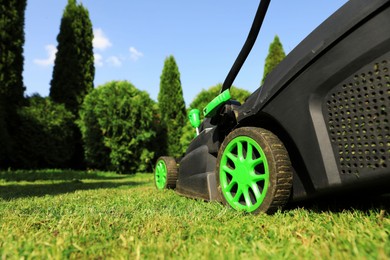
(254, 172)
(165, 173)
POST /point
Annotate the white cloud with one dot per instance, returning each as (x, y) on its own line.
(100, 41)
(114, 61)
(51, 56)
(98, 59)
(135, 54)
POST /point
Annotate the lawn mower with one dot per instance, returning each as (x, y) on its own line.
(317, 127)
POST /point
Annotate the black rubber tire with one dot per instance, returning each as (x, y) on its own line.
(280, 169)
(172, 171)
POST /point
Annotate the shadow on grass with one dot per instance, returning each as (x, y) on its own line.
(348, 203)
(42, 175)
(14, 191)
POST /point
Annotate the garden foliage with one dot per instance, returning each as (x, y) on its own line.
(11, 79)
(11, 51)
(117, 123)
(44, 135)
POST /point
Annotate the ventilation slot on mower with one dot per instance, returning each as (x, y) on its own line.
(357, 115)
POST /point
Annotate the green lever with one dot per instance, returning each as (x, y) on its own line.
(212, 108)
(194, 117)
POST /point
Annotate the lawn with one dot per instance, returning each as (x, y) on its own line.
(96, 215)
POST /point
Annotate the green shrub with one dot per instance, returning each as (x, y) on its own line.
(44, 138)
(5, 142)
(118, 129)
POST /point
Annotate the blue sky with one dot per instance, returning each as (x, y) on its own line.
(133, 38)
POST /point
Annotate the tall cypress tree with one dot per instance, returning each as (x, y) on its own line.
(172, 106)
(275, 56)
(11, 69)
(74, 70)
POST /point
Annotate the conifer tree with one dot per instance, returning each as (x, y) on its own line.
(172, 107)
(11, 69)
(74, 70)
(275, 56)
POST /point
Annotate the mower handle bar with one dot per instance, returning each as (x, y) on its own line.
(247, 47)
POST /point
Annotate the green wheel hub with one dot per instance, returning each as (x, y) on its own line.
(161, 174)
(244, 174)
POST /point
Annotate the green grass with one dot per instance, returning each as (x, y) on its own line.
(95, 215)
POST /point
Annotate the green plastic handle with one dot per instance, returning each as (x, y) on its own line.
(194, 117)
(211, 109)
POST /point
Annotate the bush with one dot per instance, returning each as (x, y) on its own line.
(44, 138)
(5, 142)
(117, 123)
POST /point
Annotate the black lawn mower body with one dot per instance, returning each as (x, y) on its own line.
(328, 102)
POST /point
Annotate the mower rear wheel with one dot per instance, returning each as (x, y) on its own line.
(165, 173)
(254, 172)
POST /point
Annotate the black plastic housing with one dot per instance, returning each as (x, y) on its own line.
(329, 103)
